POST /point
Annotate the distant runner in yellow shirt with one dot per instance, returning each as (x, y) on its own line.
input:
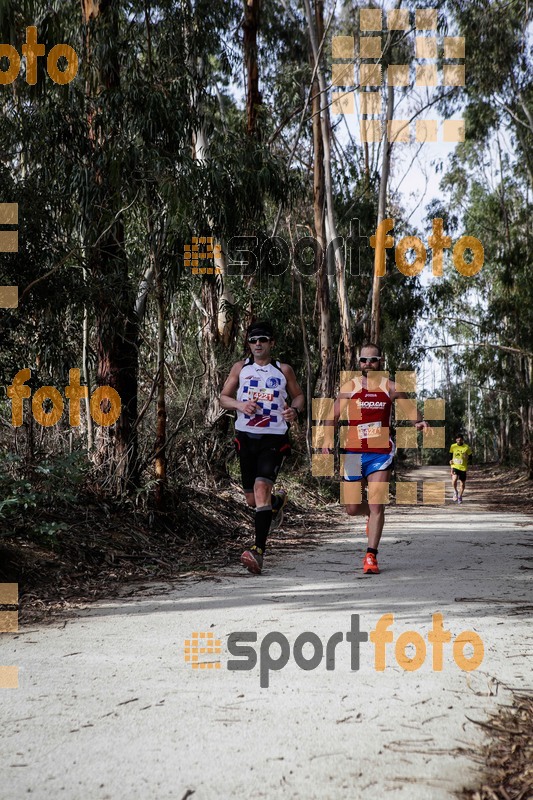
(461, 457)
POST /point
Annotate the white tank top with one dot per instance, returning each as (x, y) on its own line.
(266, 384)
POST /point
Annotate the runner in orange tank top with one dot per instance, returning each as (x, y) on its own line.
(368, 453)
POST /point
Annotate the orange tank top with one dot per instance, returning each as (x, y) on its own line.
(369, 421)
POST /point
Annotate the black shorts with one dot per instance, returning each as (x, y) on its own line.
(260, 456)
(461, 474)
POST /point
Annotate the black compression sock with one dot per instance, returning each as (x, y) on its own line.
(372, 550)
(263, 519)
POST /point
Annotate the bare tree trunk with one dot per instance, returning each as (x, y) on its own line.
(254, 100)
(308, 393)
(161, 412)
(226, 300)
(86, 373)
(526, 415)
(379, 254)
(342, 293)
(211, 381)
(211, 288)
(155, 271)
(161, 427)
(325, 383)
(367, 170)
(501, 431)
(448, 377)
(507, 429)
(116, 324)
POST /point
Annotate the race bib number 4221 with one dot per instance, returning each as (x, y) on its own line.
(261, 394)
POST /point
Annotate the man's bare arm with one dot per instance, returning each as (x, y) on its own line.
(421, 423)
(229, 390)
(297, 396)
(339, 408)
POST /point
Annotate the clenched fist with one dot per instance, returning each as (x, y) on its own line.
(249, 407)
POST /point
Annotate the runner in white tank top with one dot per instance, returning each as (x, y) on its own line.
(266, 385)
(257, 388)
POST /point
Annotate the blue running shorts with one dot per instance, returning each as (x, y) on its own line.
(361, 465)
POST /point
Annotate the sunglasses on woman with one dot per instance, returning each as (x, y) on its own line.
(255, 339)
(371, 360)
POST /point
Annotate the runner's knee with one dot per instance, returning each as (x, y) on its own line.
(354, 510)
(262, 492)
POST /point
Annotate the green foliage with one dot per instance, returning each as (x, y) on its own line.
(29, 497)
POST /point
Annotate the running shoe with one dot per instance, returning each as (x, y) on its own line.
(370, 564)
(277, 515)
(455, 497)
(252, 559)
(459, 501)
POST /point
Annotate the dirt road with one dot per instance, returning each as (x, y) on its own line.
(107, 706)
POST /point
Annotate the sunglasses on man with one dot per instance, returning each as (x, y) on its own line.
(255, 339)
(371, 360)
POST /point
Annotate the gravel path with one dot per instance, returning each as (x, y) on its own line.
(107, 707)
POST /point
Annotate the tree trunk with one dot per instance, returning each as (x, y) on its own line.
(155, 271)
(115, 322)
(161, 426)
(87, 374)
(325, 383)
(226, 300)
(526, 415)
(254, 100)
(502, 454)
(379, 253)
(331, 228)
(161, 413)
(215, 301)
(308, 371)
(211, 380)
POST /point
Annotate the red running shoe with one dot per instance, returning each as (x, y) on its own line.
(370, 564)
(252, 559)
